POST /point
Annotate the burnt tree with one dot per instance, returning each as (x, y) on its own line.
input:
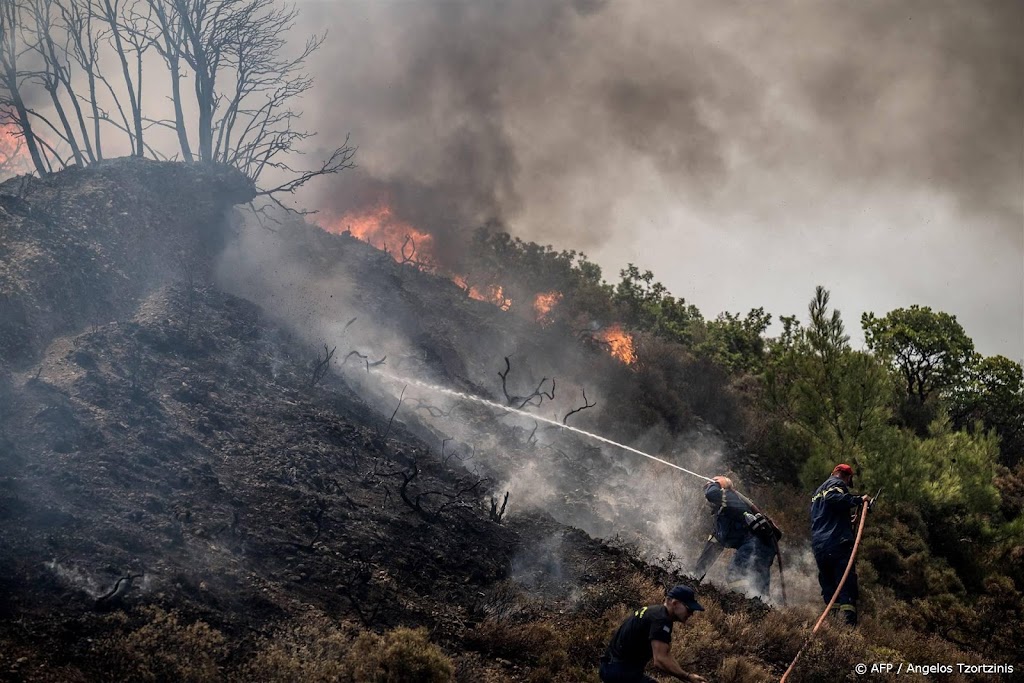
(13, 109)
(535, 398)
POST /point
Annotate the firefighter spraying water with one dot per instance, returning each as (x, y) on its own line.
(741, 525)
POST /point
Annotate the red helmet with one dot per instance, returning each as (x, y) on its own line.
(843, 469)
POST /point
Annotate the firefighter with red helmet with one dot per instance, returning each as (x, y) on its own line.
(832, 539)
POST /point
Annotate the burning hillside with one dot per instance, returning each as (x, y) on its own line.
(378, 227)
(408, 245)
(238, 446)
(544, 305)
(215, 493)
(193, 476)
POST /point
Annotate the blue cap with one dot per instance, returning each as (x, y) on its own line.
(685, 595)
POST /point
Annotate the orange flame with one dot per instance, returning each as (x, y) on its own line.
(379, 227)
(492, 294)
(543, 304)
(620, 343)
(13, 155)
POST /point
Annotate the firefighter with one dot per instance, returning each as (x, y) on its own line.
(739, 525)
(646, 635)
(832, 537)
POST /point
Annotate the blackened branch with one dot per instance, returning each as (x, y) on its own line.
(322, 365)
(586, 404)
(400, 399)
(496, 513)
(536, 398)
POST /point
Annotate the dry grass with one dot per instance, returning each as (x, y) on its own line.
(317, 649)
(164, 647)
(314, 649)
(399, 656)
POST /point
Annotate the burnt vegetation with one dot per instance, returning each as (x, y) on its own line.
(534, 398)
(91, 61)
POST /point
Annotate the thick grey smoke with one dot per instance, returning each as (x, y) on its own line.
(744, 153)
(580, 481)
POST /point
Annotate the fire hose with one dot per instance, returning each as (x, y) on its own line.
(835, 596)
(461, 395)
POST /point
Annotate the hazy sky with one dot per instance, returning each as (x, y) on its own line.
(744, 152)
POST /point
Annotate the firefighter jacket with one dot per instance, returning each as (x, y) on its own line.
(831, 523)
(731, 529)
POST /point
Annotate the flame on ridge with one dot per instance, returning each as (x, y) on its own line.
(543, 304)
(619, 342)
(378, 226)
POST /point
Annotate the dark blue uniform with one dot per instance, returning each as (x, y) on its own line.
(832, 539)
(754, 555)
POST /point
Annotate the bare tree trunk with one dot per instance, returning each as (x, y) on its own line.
(111, 17)
(77, 16)
(76, 152)
(179, 114)
(202, 51)
(95, 115)
(81, 123)
(137, 104)
(10, 18)
(127, 128)
(169, 22)
(204, 98)
(57, 56)
(51, 75)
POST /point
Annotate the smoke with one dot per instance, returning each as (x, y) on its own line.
(315, 288)
(762, 149)
(743, 155)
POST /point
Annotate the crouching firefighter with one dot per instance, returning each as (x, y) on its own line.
(832, 537)
(741, 526)
(646, 636)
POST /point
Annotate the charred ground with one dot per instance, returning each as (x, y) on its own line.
(164, 449)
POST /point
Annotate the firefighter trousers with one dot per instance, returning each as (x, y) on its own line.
(752, 562)
(831, 565)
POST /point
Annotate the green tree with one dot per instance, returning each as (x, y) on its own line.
(928, 348)
(737, 343)
(647, 305)
(960, 469)
(991, 391)
(527, 268)
(820, 386)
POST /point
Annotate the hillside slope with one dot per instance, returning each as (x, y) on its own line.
(182, 499)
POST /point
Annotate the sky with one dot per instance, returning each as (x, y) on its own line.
(744, 152)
